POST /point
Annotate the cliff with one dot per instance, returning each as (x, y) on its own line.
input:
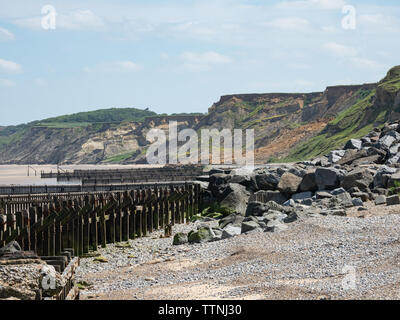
(288, 126)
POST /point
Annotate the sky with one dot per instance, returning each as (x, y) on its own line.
(180, 56)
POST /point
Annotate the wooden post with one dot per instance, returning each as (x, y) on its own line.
(132, 216)
(39, 235)
(103, 228)
(86, 225)
(94, 235)
(144, 213)
(150, 209)
(33, 221)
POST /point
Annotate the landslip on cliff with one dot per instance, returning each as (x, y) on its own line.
(287, 127)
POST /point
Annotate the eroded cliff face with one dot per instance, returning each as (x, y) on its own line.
(290, 126)
(281, 121)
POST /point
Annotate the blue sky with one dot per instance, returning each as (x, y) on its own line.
(181, 56)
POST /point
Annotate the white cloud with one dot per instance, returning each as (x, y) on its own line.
(351, 55)
(6, 35)
(364, 63)
(115, 66)
(75, 20)
(290, 23)
(203, 61)
(40, 82)
(80, 19)
(310, 4)
(7, 83)
(10, 67)
(340, 50)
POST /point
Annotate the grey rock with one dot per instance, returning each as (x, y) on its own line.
(393, 200)
(230, 231)
(255, 208)
(289, 203)
(323, 195)
(267, 181)
(353, 144)
(233, 219)
(307, 202)
(336, 155)
(308, 183)
(202, 235)
(274, 215)
(379, 200)
(248, 226)
(387, 140)
(289, 183)
(12, 247)
(357, 202)
(345, 199)
(327, 178)
(180, 238)
(266, 196)
(275, 226)
(362, 195)
(361, 178)
(291, 217)
(302, 196)
(237, 198)
(337, 191)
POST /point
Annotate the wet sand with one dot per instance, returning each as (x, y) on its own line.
(18, 174)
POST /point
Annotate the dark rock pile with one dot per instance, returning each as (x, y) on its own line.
(267, 199)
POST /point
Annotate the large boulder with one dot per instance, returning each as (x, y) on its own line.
(352, 155)
(267, 181)
(289, 183)
(256, 209)
(327, 178)
(393, 200)
(353, 144)
(230, 231)
(236, 198)
(204, 234)
(308, 183)
(361, 178)
(180, 238)
(244, 177)
(335, 155)
(250, 225)
(382, 176)
(232, 219)
(218, 185)
(394, 180)
(12, 247)
(266, 196)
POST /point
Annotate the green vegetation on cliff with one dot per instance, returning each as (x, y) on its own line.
(354, 122)
(82, 119)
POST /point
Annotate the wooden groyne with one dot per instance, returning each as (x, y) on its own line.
(54, 189)
(52, 223)
(104, 176)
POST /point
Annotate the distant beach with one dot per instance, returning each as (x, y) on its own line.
(18, 174)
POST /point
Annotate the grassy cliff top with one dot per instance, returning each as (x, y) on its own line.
(391, 82)
(113, 115)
